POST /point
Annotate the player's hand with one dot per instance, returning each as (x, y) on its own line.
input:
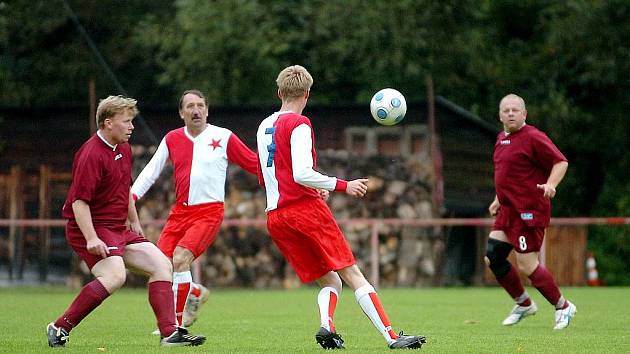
(357, 188)
(548, 191)
(135, 227)
(494, 207)
(97, 247)
(324, 194)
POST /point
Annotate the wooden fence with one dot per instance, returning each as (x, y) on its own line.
(27, 202)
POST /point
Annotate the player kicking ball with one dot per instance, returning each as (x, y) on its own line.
(299, 220)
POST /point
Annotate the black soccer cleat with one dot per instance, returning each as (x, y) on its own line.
(181, 337)
(328, 339)
(408, 342)
(57, 336)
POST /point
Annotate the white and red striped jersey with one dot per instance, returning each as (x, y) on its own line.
(286, 151)
(199, 164)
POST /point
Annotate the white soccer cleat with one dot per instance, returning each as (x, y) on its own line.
(193, 305)
(519, 312)
(564, 316)
(156, 332)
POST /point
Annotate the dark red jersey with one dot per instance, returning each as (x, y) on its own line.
(521, 160)
(101, 177)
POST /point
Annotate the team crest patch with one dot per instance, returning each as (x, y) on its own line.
(527, 216)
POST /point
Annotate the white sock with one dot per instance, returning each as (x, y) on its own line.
(561, 302)
(327, 302)
(371, 305)
(524, 296)
(181, 289)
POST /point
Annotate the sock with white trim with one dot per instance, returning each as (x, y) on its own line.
(181, 288)
(327, 302)
(371, 305)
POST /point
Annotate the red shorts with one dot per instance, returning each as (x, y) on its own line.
(523, 238)
(309, 238)
(193, 227)
(115, 237)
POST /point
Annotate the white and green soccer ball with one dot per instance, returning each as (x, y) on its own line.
(388, 106)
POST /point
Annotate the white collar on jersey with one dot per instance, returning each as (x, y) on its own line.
(98, 132)
(190, 136)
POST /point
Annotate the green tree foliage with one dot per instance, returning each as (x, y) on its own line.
(45, 61)
(234, 49)
(592, 50)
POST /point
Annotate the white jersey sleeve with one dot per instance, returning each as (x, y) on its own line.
(151, 171)
(302, 161)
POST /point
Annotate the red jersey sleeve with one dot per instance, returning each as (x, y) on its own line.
(239, 153)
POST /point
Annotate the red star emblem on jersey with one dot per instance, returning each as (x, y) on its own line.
(215, 144)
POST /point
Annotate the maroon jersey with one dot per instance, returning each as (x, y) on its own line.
(101, 177)
(521, 160)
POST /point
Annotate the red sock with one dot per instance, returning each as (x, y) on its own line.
(543, 281)
(92, 295)
(161, 300)
(511, 282)
(331, 310)
(371, 305)
(183, 289)
(381, 313)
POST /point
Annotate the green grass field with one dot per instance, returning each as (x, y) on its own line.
(454, 320)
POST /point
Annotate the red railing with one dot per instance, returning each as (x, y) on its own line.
(620, 220)
(373, 223)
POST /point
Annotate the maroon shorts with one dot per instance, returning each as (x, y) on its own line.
(193, 227)
(309, 238)
(523, 238)
(115, 237)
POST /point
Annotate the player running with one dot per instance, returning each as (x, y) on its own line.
(527, 169)
(200, 153)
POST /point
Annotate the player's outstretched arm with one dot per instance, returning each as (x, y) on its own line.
(240, 154)
(151, 171)
(357, 188)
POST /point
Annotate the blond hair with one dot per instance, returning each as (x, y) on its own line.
(511, 95)
(293, 82)
(113, 105)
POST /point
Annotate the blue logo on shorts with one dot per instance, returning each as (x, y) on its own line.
(527, 216)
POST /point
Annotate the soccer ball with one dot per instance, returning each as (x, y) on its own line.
(388, 107)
